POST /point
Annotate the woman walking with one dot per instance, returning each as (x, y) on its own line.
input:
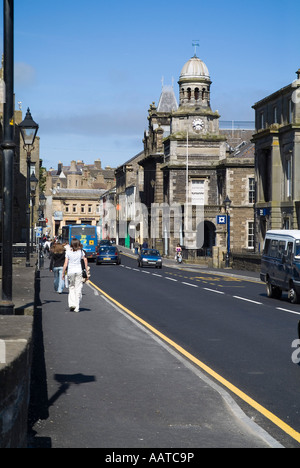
(73, 263)
(57, 260)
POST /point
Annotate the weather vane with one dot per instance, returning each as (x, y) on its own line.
(195, 44)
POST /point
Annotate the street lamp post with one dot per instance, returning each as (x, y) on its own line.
(227, 204)
(28, 128)
(8, 152)
(33, 184)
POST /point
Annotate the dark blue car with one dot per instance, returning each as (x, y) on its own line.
(108, 254)
(150, 257)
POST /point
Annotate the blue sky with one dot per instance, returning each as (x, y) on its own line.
(89, 70)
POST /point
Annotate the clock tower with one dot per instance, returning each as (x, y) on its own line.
(194, 100)
(193, 152)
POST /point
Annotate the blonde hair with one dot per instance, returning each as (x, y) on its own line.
(57, 248)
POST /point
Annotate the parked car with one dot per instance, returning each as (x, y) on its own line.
(280, 264)
(149, 257)
(108, 254)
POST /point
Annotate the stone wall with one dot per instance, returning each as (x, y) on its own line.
(246, 261)
(15, 368)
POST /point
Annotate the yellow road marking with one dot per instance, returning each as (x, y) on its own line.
(272, 417)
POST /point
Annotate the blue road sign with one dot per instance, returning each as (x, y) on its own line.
(221, 219)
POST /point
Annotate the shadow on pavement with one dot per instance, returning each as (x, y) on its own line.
(39, 401)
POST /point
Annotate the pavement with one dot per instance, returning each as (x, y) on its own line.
(100, 379)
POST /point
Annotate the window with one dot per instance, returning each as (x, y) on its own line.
(32, 169)
(251, 190)
(74, 208)
(198, 192)
(90, 209)
(197, 94)
(67, 208)
(262, 120)
(250, 235)
(275, 116)
(290, 248)
(273, 248)
(82, 209)
(267, 247)
(289, 178)
(281, 248)
(290, 111)
(286, 223)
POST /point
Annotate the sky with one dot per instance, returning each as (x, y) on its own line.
(89, 71)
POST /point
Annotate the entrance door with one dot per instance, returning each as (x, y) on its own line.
(209, 237)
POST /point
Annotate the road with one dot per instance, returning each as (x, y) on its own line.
(225, 322)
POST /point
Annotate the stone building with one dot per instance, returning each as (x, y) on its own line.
(277, 160)
(188, 162)
(129, 193)
(73, 194)
(20, 178)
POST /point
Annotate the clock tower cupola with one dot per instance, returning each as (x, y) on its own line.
(194, 85)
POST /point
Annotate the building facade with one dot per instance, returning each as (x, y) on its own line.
(277, 161)
(188, 163)
(20, 179)
(128, 198)
(73, 194)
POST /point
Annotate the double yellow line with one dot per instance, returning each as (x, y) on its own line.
(274, 419)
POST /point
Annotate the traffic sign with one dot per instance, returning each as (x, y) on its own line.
(221, 219)
(38, 231)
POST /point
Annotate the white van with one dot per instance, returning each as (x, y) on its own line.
(280, 265)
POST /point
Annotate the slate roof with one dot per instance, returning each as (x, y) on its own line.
(167, 100)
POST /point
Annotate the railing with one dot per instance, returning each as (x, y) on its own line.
(237, 125)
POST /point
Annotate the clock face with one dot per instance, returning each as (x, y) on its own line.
(198, 125)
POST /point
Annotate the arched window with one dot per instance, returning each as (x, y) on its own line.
(196, 92)
(203, 94)
(189, 93)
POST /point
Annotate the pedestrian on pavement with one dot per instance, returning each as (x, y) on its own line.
(57, 260)
(73, 263)
(47, 246)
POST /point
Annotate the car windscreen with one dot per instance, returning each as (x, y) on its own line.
(150, 253)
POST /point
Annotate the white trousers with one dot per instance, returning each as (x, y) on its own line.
(75, 290)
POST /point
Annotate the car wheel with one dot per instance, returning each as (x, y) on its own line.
(293, 295)
(273, 291)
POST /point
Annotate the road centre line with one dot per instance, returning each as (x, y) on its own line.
(208, 289)
(190, 284)
(254, 404)
(248, 300)
(214, 290)
(287, 310)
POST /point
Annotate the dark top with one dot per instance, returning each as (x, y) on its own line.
(57, 260)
